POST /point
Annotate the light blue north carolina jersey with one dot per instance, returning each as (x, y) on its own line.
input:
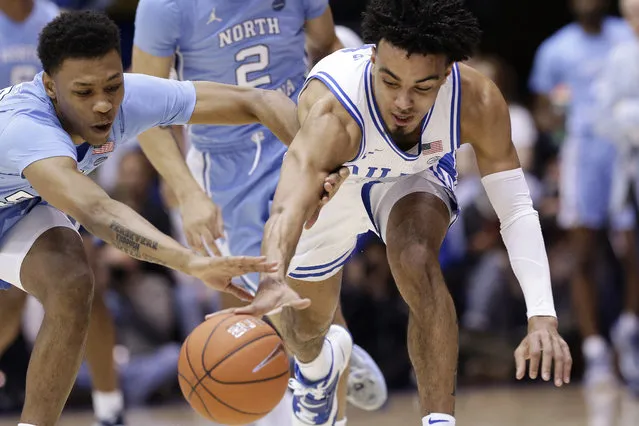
(19, 44)
(30, 131)
(573, 58)
(258, 43)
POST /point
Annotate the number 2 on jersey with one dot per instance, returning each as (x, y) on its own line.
(259, 60)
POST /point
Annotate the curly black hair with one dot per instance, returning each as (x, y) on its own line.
(84, 34)
(423, 27)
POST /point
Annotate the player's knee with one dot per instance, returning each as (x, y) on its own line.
(416, 266)
(71, 292)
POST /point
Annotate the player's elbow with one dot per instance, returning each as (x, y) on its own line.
(92, 214)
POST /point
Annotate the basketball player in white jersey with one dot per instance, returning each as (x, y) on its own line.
(395, 112)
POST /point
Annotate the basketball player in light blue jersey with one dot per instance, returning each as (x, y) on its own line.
(573, 58)
(262, 44)
(56, 129)
(20, 23)
(618, 106)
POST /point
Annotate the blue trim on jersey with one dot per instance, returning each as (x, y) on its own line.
(456, 112)
(4, 285)
(325, 265)
(344, 258)
(366, 200)
(445, 171)
(375, 116)
(427, 119)
(347, 103)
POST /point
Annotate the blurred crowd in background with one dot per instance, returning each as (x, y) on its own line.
(155, 309)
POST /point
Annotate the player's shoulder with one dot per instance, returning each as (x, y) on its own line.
(151, 9)
(561, 39)
(343, 63)
(136, 85)
(617, 26)
(29, 98)
(482, 100)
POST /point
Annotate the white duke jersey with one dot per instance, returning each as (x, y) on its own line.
(347, 73)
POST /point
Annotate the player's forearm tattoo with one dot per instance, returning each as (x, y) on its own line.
(130, 242)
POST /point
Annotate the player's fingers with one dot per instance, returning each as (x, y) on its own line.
(222, 312)
(219, 225)
(559, 361)
(520, 360)
(535, 354)
(547, 354)
(195, 243)
(239, 265)
(248, 264)
(344, 172)
(240, 293)
(216, 249)
(297, 304)
(567, 361)
(311, 220)
(208, 241)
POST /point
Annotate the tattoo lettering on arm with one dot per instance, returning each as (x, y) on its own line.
(130, 243)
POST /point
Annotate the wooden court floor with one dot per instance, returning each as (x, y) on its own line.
(517, 406)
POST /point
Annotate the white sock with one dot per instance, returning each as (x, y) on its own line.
(341, 422)
(107, 405)
(438, 419)
(320, 366)
(594, 347)
(25, 424)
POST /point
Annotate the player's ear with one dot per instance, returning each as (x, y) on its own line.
(449, 69)
(374, 54)
(49, 85)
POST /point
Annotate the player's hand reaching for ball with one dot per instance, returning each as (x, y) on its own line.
(542, 346)
(202, 223)
(331, 185)
(216, 272)
(272, 296)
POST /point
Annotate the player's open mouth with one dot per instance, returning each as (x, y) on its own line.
(402, 120)
(102, 128)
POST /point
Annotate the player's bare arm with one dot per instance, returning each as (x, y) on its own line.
(59, 182)
(321, 38)
(486, 126)
(329, 137)
(225, 104)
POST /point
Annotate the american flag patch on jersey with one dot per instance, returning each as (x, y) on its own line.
(432, 148)
(109, 146)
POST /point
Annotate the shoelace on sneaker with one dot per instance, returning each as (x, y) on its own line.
(305, 412)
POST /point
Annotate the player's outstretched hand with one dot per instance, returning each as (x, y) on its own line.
(202, 223)
(331, 185)
(216, 272)
(543, 345)
(272, 296)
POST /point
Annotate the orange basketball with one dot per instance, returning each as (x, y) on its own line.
(233, 369)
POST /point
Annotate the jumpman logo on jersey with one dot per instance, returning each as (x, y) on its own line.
(213, 17)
